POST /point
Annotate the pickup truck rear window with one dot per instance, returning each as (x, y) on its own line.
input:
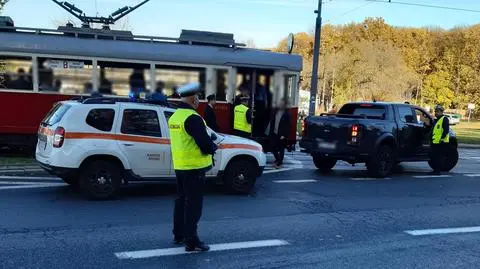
(368, 110)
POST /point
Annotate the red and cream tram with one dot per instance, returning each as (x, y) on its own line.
(39, 67)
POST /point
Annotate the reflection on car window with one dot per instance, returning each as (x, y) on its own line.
(101, 119)
(141, 122)
(406, 114)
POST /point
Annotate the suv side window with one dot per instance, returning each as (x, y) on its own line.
(141, 122)
(168, 115)
(101, 119)
(406, 114)
(423, 118)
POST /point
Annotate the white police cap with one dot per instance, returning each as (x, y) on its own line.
(189, 89)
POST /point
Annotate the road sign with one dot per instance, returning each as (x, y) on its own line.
(471, 106)
(59, 64)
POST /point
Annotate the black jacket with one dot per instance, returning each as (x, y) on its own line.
(283, 127)
(195, 127)
(211, 118)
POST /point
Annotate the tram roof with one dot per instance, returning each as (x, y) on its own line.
(35, 43)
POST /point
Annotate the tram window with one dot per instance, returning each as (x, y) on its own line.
(177, 76)
(16, 73)
(289, 85)
(121, 78)
(221, 84)
(68, 76)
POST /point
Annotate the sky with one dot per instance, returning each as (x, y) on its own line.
(265, 22)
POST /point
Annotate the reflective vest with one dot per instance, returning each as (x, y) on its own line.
(438, 131)
(186, 154)
(240, 122)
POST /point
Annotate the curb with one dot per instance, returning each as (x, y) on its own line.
(469, 146)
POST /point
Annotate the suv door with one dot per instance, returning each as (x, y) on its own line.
(140, 138)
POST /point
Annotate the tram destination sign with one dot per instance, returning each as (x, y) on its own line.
(59, 64)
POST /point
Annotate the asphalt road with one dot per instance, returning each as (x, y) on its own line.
(295, 218)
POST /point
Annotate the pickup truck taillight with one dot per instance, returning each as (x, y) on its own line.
(58, 137)
(304, 127)
(355, 134)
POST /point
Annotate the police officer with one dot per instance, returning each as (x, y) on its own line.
(440, 139)
(192, 151)
(242, 118)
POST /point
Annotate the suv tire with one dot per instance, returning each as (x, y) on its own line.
(324, 164)
(100, 180)
(381, 163)
(240, 176)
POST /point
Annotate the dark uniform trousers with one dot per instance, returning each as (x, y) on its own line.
(189, 203)
(437, 155)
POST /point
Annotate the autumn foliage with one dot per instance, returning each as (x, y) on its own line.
(373, 60)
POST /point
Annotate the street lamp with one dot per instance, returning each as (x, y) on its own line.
(316, 54)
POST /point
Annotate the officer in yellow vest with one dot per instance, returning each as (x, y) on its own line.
(242, 118)
(192, 151)
(440, 139)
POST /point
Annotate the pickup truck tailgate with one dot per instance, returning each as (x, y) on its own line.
(327, 133)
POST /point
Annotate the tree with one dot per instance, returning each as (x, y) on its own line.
(2, 5)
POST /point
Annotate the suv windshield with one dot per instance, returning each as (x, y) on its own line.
(56, 114)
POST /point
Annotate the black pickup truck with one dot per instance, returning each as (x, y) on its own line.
(380, 135)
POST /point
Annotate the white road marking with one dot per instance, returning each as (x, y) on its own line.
(29, 178)
(34, 186)
(277, 170)
(295, 181)
(369, 178)
(142, 254)
(474, 229)
(12, 171)
(432, 176)
(23, 183)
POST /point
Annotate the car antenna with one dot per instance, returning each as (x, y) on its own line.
(111, 19)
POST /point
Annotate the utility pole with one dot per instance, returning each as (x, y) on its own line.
(316, 54)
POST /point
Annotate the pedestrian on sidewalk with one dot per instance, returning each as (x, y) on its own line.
(280, 127)
(192, 154)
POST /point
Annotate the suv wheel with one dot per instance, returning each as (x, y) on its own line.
(324, 164)
(100, 180)
(240, 176)
(381, 163)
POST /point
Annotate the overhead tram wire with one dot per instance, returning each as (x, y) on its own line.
(349, 11)
(424, 5)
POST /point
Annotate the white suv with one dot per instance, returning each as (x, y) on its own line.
(102, 143)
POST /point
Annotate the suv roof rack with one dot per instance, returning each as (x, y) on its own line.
(114, 100)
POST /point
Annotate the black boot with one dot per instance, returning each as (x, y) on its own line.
(196, 246)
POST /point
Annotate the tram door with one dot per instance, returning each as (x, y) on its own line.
(257, 85)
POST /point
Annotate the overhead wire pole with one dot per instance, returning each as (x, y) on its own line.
(316, 55)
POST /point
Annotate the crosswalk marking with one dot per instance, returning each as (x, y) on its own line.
(142, 254)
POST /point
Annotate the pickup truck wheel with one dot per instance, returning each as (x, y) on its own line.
(240, 176)
(100, 180)
(70, 180)
(449, 160)
(381, 163)
(324, 164)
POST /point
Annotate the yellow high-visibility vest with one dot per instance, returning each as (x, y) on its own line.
(438, 131)
(186, 154)
(240, 122)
